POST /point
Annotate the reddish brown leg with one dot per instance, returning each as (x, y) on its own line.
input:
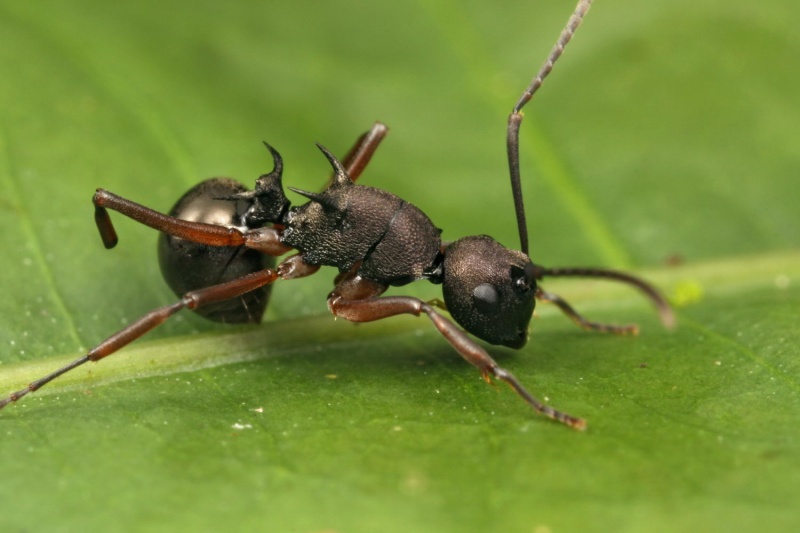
(627, 329)
(191, 300)
(293, 267)
(209, 234)
(664, 310)
(362, 151)
(265, 240)
(357, 300)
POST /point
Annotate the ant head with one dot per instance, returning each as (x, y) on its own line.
(489, 290)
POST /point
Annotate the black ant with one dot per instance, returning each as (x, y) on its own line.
(219, 243)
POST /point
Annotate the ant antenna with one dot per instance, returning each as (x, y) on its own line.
(515, 118)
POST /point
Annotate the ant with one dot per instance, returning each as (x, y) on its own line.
(218, 246)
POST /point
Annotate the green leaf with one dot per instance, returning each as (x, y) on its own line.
(665, 142)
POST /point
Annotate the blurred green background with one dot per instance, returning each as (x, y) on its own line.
(666, 142)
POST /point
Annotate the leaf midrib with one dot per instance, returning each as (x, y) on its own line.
(187, 353)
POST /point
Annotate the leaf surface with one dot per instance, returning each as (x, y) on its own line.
(665, 142)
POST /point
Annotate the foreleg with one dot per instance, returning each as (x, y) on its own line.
(356, 300)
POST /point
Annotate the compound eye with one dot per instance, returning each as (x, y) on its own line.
(486, 299)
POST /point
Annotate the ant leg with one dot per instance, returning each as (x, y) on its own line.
(359, 156)
(264, 240)
(198, 232)
(544, 296)
(665, 313)
(355, 299)
(120, 339)
(293, 267)
(362, 151)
